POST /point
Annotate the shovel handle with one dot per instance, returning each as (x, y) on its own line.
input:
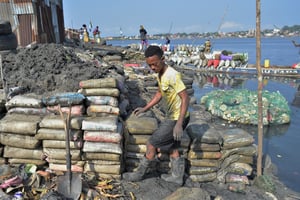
(68, 154)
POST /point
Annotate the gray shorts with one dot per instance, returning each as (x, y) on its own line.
(163, 136)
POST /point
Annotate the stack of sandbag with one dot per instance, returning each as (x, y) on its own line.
(53, 129)
(102, 96)
(138, 131)
(18, 129)
(238, 152)
(103, 133)
(102, 148)
(205, 151)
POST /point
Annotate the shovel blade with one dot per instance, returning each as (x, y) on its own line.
(75, 186)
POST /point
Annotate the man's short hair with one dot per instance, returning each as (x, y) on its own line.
(154, 50)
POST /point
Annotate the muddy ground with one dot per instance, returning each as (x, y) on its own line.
(47, 69)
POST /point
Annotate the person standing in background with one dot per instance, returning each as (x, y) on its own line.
(143, 37)
(96, 34)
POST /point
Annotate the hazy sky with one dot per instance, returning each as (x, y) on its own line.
(164, 16)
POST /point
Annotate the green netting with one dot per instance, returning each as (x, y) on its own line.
(241, 106)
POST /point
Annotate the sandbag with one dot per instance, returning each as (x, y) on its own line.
(202, 154)
(101, 156)
(235, 178)
(27, 161)
(59, 144)
(99, 83)
(24, 101)
(102, 147)
(233, 138)
(204, 177)
(100, 123)
(204, 163)
(53, 153)
(103, 176)
(246, 151)
(28, 111)
(140, 148)
(204, 133)
(21, 124)
(57, 134)
(104, 136)
(92, 109)
(109, 169)
(21, 141)
(102, 100)
(76, 110)
(56, 122)
(114, 92)
(64, 99)
(104, 162)
(193, 170)
(141, 125)
(14, 152)
(136, 139)
(200, 146)
(63, 167)
(240, 169)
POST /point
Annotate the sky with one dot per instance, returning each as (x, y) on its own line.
(178, 16)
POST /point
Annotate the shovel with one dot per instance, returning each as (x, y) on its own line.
(70, 184)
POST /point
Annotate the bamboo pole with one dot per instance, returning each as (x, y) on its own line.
(259, 90)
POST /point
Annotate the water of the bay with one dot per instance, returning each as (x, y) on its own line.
(280, 142)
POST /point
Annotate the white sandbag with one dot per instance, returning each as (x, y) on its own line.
(24, 101)
(102, 100)
(104, 136)
(102, 147)
(100, 123)
(63, 167)
(28, 111)
(114, 92)
(21, 141)
(26, 161)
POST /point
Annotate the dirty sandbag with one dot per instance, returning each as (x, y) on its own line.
(107, 169)
(14, 152)
(24, 101)
(64, 99)
(94, 109)
(55, 122)
(233, 138)
(193, 170)
(59, 144)
(57, 134)
(102, 147)
(247, 151)
(235, 178)
(21, 141)
(138, 148)
(61, 153)
(204, 155)
(204, 163)
(204, 133)
(241, 169)
(204, 177)
(104, 136)
(102, 100)
(201, 146)
(101, 156)
(141, 125)
(136, 139)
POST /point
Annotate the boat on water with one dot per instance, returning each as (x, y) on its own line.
(224, 61)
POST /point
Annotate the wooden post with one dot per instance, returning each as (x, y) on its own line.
(259, 91)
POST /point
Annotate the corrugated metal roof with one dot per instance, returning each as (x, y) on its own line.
(22, 8)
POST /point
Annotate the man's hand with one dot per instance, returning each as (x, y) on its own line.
(177, 132)
(138, 111)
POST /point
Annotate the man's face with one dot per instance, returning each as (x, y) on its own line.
(155, 63)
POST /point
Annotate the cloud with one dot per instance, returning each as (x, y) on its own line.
(231, 26)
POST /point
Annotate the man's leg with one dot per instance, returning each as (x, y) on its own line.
(143, 166)
(177, 168)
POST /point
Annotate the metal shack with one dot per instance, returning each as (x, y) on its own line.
(34, 21)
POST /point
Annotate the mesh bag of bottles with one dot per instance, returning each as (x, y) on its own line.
(241, 106)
